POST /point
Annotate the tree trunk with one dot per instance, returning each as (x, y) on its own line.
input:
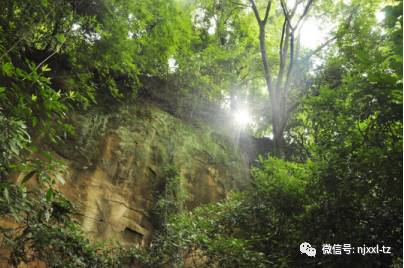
(275, 100)
(267, 72)
(277, 125)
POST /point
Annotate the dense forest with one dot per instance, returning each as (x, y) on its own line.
(316, 85)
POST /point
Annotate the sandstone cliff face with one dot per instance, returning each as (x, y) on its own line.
(116, 162)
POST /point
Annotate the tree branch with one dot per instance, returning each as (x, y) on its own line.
(264, 57)
(326, 43)
(286, 13)
(256, 13)
(306, 10)
(282, 53)
(289, 15)
(291, 57)
(319, 48)
(267, 12)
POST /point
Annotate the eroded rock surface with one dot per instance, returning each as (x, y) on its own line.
(116, 163)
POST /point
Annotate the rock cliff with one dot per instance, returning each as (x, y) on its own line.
(115, 163)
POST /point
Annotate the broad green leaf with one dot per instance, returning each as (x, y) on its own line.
(28, 176)
(49, 195)
(6, 194)
(8, 69)
(60, 38)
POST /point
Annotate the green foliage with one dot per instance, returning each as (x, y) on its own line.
(59, 55)
(204, 238)
(170, 201)
(173, 194)
(257, 228)
(46, 232)
(13, 139)
(349, 187)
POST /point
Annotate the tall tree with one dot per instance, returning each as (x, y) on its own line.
(279, 87)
